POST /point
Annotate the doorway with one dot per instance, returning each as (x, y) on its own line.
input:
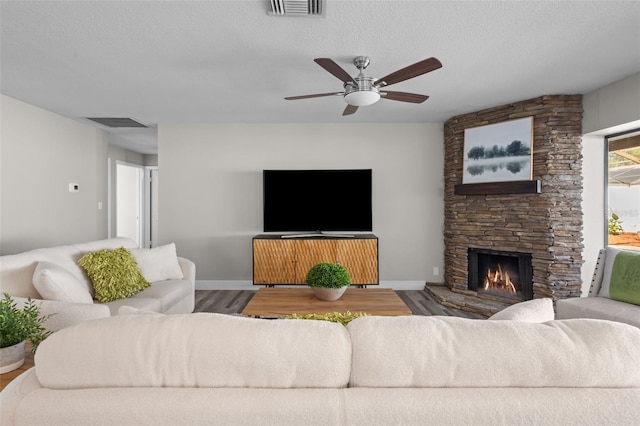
(129, 201)
(133, 202)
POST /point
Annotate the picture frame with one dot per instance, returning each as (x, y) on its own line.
(500, 152)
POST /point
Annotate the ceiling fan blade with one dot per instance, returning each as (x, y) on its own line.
(403, 96)
(411, 71)
(335, 69)
(317, 95)
(350, 109)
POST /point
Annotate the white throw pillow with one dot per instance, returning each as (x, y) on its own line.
(536, 310)
(54, 282)
(609, 258)
(159, 263)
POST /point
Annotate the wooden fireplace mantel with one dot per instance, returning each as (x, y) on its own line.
(493, 188)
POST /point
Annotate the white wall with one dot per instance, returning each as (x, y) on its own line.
(41, 153)
(593, 208)
(121, 154)
(608, 110)
(612, 106)
(210, 200)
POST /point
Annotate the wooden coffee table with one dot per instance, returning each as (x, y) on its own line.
(273, 302)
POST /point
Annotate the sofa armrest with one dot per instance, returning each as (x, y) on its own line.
(65, 313)
(188, 269)
(598, 273)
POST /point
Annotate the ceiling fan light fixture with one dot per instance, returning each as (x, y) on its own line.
(363, 91)
(362, 97)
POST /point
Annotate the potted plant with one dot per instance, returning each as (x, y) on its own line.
(328, 280)
(17, 326)
(615, 224)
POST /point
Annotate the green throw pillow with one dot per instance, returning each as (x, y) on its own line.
(114, 274)
(625, 278)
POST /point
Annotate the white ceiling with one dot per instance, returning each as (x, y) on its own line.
(231, 62)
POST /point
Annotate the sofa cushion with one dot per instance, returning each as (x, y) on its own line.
(598, 308)
(491, 406)
(54, 282)
(625, 278)
(146, 303)
(536, 310)
(621, 276)
(169, 297)
(114, 274)
(130, 310)
(195, 350)
(158, 263)
(183, 407)
(456, 352)
(168, 292)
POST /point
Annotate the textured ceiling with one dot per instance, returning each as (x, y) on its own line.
(231, 62)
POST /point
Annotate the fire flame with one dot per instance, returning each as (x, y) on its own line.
(499, 281)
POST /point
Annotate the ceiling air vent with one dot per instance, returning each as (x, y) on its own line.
(116, 122)
(297, 7)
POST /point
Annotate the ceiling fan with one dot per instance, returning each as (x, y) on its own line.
(362, 90)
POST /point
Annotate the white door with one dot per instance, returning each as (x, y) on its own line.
(129, 199)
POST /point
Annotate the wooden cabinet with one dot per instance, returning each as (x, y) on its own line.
(278, 261)
(273, 261)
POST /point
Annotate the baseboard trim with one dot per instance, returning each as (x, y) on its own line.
(248, 285)
(225, 285)
(403, 285)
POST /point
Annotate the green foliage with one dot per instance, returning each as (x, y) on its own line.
(476, 153)
(342, 318)
(328, 275)
(515, 149)
(17, 325)
(495, 152)
(615, 224)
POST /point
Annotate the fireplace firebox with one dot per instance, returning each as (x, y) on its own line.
(503, 274)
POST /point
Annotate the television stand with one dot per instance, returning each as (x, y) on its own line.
(318, 234)
(286, 259)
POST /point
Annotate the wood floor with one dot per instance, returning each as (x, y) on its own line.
(234, 301)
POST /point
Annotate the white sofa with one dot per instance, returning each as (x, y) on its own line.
(16, 278)
(213, 369)
(597, 304)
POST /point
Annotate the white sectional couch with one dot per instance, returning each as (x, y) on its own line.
(17, 274)
(598, 304)
(213, 369)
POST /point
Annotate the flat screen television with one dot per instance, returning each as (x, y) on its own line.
(317, 200)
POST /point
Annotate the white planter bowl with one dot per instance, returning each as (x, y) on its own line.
(328, 293)
(11, 357)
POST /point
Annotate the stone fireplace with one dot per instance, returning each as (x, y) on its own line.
(545, 224)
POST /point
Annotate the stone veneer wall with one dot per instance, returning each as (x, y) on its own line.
(547, 225)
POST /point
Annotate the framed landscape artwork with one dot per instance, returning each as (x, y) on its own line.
(499, 152)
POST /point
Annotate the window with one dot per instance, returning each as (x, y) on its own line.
(623, 194)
